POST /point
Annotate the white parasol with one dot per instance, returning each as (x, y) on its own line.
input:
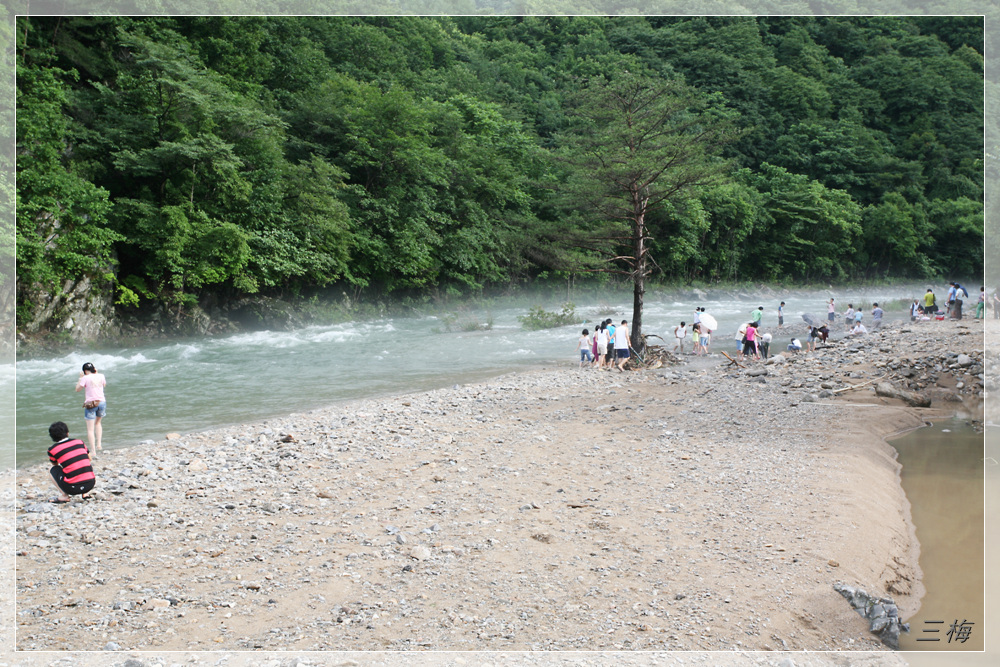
(709, 322)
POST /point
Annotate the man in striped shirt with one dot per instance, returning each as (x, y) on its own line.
(72, 473)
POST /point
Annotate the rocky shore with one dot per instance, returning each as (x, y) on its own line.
(697, 507)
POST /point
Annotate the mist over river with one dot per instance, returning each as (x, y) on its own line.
(193, 384)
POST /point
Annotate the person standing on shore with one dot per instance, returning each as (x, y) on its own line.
(72, 471)
(930, 307)
(95, 406)
(750, 346)
(704, 337)
(765, 346)
(950, 299)
(756, 315)
(601, 336)
(831, 311)
(781, 314)
(956, 309)
(680, 333)
(741, 340)
(583, 345)
(849, 316)
(621, 345)
(610, 359)
(877, 314)
(858, 316)
(811, 341)
(981, 304)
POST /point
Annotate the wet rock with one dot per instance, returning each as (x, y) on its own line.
(882, 614)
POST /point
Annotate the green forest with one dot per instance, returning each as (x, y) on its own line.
(166, 159)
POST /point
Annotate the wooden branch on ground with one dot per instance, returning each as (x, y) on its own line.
(856, 386)
(731, 360)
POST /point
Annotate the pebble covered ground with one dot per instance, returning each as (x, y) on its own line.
(691, 508)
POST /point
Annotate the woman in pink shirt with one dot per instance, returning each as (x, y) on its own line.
(750, 347)
(93, 383)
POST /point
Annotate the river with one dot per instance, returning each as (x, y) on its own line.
(201, 383)
(942, 475)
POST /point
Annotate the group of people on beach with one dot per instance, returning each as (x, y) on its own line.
(72, 469)
(701, 334)
(610, 343)
(927, 309)
(751, 343)
(607, 344)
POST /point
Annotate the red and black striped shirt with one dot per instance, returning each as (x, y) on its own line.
(72, 457)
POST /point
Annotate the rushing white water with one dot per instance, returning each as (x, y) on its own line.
(195, 384)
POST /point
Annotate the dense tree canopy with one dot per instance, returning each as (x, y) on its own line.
(174, 157)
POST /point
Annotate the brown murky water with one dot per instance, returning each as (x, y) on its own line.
(943, 477)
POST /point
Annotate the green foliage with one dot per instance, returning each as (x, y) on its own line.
(229, 155)
(539, 318)
(62, 233)
(803, 229)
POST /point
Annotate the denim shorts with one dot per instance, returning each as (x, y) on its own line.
(94, 413)
(585, 355)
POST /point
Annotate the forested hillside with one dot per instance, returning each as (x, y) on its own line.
(163, 159)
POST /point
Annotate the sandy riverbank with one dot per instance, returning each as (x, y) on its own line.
(691, 508)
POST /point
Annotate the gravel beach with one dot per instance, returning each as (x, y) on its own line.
(698, 507)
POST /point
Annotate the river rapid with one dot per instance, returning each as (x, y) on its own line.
(201, 383)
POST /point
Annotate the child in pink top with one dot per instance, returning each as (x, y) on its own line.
(93, 384)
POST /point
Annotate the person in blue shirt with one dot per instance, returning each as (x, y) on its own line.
(876, 316)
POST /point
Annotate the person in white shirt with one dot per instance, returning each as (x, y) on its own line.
(602, 344)
(680, 333)
(621, 345)
(584, 348)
